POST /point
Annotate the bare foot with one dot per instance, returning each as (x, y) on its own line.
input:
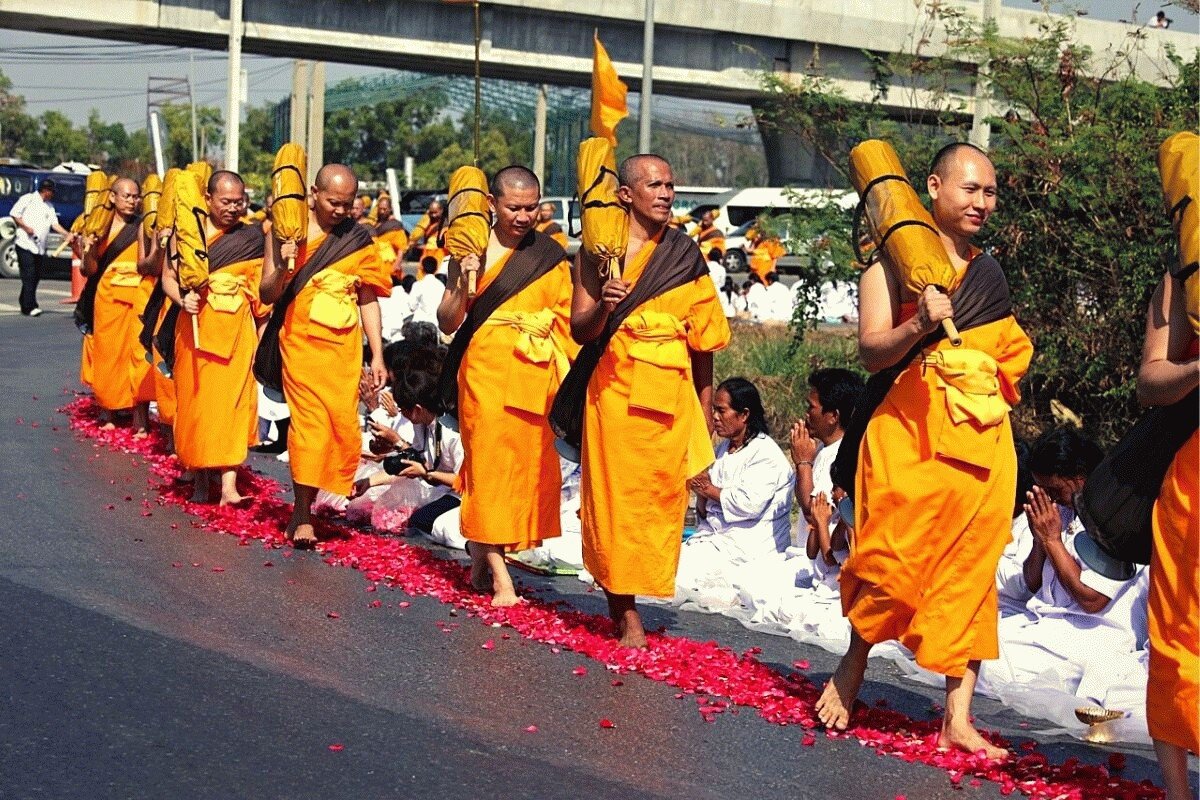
(141, 433)
(506, 599)
(630, 632)
(481, 576)
(837, 700)
(303, 536)
(233, 499)
(962, 736)
(108, 426)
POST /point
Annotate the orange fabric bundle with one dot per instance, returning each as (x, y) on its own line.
(289, 208)
(203, 171)
(897, 222)
(191, 213)
(470, 219)
(1179, 166)
(151, 194)
(603, 219)
(100, 218)
(165, 219)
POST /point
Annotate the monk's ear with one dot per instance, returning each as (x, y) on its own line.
(625, 195)
(933, 184)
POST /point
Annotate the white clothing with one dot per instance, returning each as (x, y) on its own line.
(751, 520)
(394, 311)
(1056, 633)
(716, 271)
(1010, 572)
(777, 306)
(728, 303)
(756, 301)
(839, 302)
(739, 303)
(37, 214)
(425, 298)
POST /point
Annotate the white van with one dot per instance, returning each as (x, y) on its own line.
(739, 208)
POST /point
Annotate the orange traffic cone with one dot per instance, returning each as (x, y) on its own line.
(77, 281)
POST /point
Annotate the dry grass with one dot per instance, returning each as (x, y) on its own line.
(779, 367)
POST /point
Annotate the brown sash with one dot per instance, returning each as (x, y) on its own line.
(675, 262)
(240, 243)
(85, 309)
(533, 257)
(344, 239)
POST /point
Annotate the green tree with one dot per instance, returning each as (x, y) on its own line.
(1080, 227)
(210, 132)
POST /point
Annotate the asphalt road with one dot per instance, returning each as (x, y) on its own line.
(127, 678)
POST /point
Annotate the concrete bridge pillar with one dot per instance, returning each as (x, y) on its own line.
(791, 160)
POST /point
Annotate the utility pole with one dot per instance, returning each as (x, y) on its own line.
(981, 129)
(647, 80)
(316, 121)
(539, 135)
(298, 128)
(234, 86)
(192, 103)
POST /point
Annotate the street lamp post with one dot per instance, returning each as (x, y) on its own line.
(234, 106)
(647, 80)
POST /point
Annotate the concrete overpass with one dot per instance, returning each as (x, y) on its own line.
(709, 49)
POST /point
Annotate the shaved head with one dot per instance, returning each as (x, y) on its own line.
(631, 169)
(224, 177)
(125, 185)
(514, 177)
(949, 156)
(336, 175)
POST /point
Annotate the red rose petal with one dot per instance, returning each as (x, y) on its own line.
(581, 671)
(531, 729)
(336, 748)
(722, 679)
(333, 615)
(488, 645)
(607, 723)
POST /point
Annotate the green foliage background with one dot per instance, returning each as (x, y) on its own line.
(1080, 227)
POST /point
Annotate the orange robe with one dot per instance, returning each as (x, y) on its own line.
(510, 478)
(1174, 604)
(164, 387)
(934, 511)
(708, 238)
(642, 417)
(120, 375)
(391, 244)
(557, 234)
(430, 246)
(763, 257)
(216, 417)
(322, 364)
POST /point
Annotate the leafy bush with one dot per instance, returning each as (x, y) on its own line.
(1080, 227)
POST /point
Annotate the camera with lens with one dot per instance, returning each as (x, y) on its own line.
(394, 464)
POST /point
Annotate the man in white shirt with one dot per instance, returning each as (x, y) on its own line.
(778, 303)
(35, 217)
(427, 292)
(716, 268)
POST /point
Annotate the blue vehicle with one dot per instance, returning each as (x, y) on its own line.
(68, 202)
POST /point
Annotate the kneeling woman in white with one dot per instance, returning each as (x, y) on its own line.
(743, 501)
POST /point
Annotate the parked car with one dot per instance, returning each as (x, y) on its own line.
(566, 214)
(414, 202)
(68, 202)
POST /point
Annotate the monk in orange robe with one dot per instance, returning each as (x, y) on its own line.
(648, 339)
(505, 365)
(547, 225)
(708, 235)
(320, 314)
(424, 240)
(936, 468)
(1170, 370)
(122, 270)
(390, 236)
(216, 416)
(764, 253)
